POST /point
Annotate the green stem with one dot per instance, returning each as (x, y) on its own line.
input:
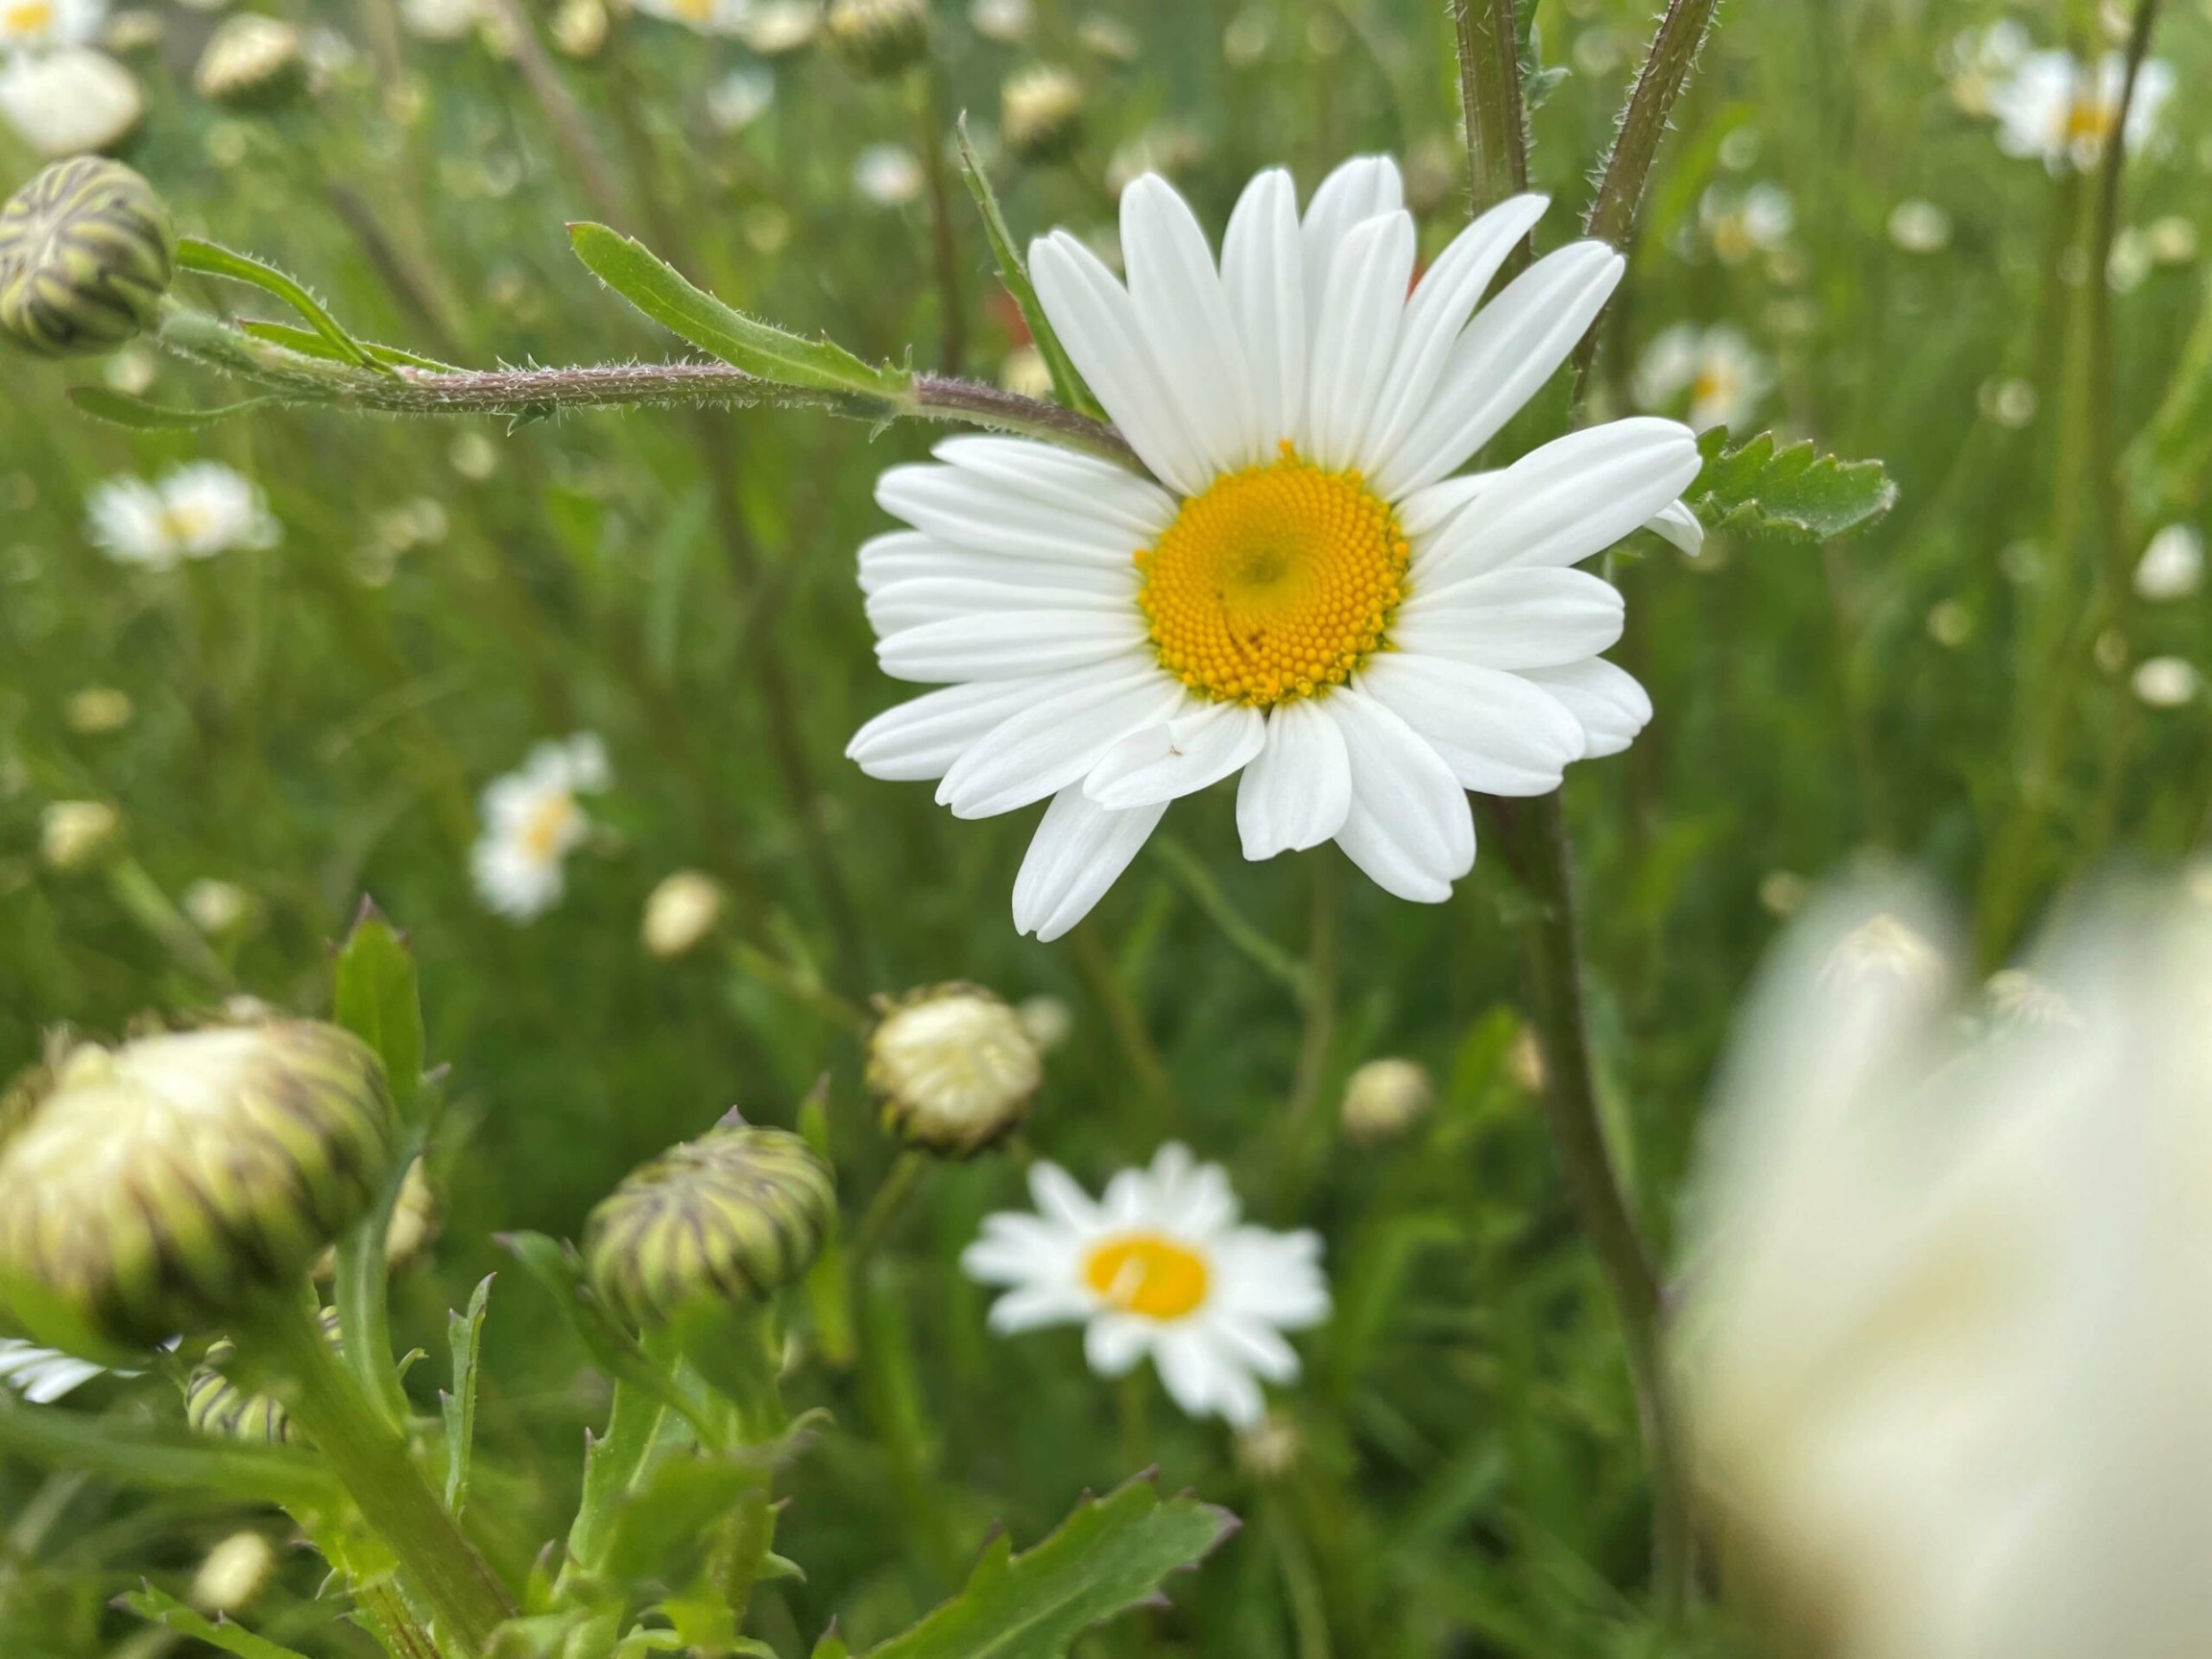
(141, 897)
(1490, 100)
(362, 1286)
(943, 238)
(371, 1459)
(1103, 981)
(883, 1209)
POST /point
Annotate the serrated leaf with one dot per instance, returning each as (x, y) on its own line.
(1110, 1555)
(465, 1331)
(774, 354)
(121, 409)
(672, 1510)
(1793, 491)
(158, 1608)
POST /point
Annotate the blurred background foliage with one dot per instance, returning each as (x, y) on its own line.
(1459, 1470)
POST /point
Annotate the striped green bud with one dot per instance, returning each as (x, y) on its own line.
(954, 1067)
(87, 252)
(218, 1408)
(732, 1216)
(876, 38)
(171, 1183)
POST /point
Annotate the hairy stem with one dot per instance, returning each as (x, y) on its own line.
(1490, 100)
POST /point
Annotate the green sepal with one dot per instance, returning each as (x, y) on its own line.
(1790, 492)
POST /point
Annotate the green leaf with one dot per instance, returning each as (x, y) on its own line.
(1110, 1555)
(774, 354)
(134, 1455)
(212, 259)
(165, 1610)
(671, 1513)
(831, 1645)
(311, 344)
(1014, 276)
(465, 1330)
(121, 409)
(380, 1001)
(1792, 493)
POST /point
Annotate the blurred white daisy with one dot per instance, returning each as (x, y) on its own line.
(43, 25)
(532, 822)
(707, 16)
(1976, 62)
(1005, 21)
(2166, 682)
(888, 174)
(1740, 223)
(441, 19)
(70, 101)
(1158, 1268)
(2171, 565)
(195, 511)
(2062, 111)
(1716, 373)
(40, 1375)
(742, 97)
(1919, 227)
(1305, 597)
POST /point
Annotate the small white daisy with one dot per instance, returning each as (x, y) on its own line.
(707, 16)
(1979, 60)
(193, 512)
(1740, 223)
(40, 1375)
(742, 97)
(532, 822)
(1159, 1267)
(70, 101)
(43, 25)
(887, 175)
(2062, 111)
(1306, 596)
(1716, 374)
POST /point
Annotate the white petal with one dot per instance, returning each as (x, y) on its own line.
(1187, 322)
(1059, 1198)
(1612, 706)
(1429, 508)
(1016, 1248)
(1360, 189)
(1438, 310)
(969, 511)
(1094, 317)
(1409, 828)
(925, 599)
(1178, 757)
(1060, 478)
(1513, 619)
(1033, 1307)
(1678, 524)
(1353, 330)
(1008, 645)
(1500, 361)
(1116, 1341)
(1044, 748)
(1257, 1345)
(1205, 1379)
(1296, 792)
(908, 555)
(1564, 502)
(1500, 734)
(1263, 274)
(1079, 851)
(922, 737)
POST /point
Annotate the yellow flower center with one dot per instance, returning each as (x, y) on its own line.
(2089, 118)
(1275, 582)
(548, 822)
(187, 524)
(1144, 1273)
(27, 17)
(695, 10)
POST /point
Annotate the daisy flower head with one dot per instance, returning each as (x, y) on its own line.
(1159, 1267)
(43, 25)
(40, 1375)
(1717, 374)
(707, 16)
(532, 822)
(1977, 61)
(71, 101)
(2055, 108)
(1301, 592)
(195, 511)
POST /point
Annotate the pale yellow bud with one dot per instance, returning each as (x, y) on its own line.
(954, 1069)
(97, 710)
(681, 913)
(75, 836)
(234, 1574)
(1384, 1100)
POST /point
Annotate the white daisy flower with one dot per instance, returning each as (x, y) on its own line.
(1307, 596)
(2062, 111)
(1741, 223)
(1717, 374)
(70, 101)
(1980, 60)
(707, 16)
(40, 1375)
(1160, 1268)
(532, 822)
(194, 512)
(43, 25)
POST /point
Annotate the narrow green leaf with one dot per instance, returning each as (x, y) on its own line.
(1790, 492)
(664, 293)
(465, 1330)
(380, 1001)
(121, 409)
(158, 1608)
(1110, 1555)
(831, 1645)
(1014, 276)
(311, 344)
(133, 1455)
(212, 259)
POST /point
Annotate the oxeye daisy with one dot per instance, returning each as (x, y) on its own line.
(532, 822)
(2059, 109)
(707, 16)
(40, 25)
(40, 1375)
(193, 512)
(1301, 592)
(1717, 374)
(1158, 1268)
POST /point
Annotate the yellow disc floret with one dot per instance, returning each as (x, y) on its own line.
(1147, 1274)
(1276, 583)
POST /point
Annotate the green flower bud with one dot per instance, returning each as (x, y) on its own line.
(216, 1406)
(732, 1216)
(170, 1182)
(876, 38)
(252, 62)
(954, 1067)
(87, 252)
(1040, 115)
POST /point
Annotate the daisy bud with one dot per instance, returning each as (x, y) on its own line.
(169, 1182)
(234, 1574)
(732, 1216)
(75, 836)
(954, 1069)
(680, 913)
(219, 1409)
(218, 908)
(252, 62)
(1047, 1020)
(97, 712)
(87, 252)
(877, 38)
(1385, 1099)
(1270, 1449)
(1040, 115)
(580, 27)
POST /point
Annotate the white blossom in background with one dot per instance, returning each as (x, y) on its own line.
(1977, 61)
(1741, 223)
(441, 20)
(2171, 565)
(1158, 1268)
(1714, 373)
(742, 97)
(40, 1375)
(2166, 682)
(1306, 599)
(70, 101)
(1919, 227)
(30, 26)
(533, 820)
(2058, 110)
(195, 511)
(888, 174)
(1942, 1348)
(707, 16)
(1005, 21)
